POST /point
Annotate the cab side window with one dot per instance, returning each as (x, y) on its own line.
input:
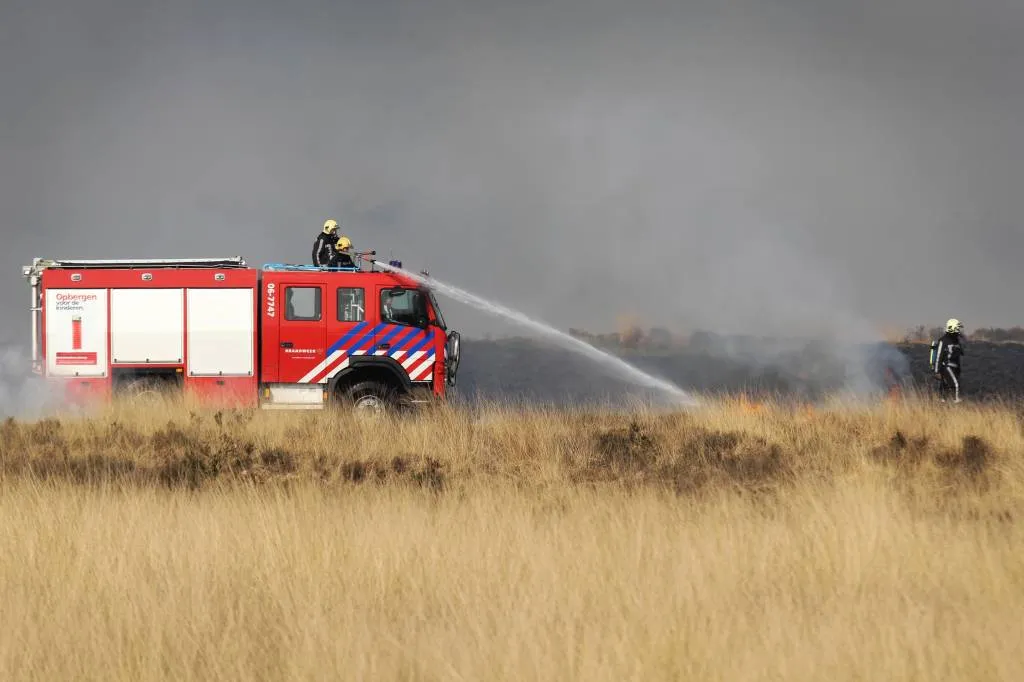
(407, 308)
(302, 303)
(351, 304)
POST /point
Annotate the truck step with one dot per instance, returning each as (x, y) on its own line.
(292, 406)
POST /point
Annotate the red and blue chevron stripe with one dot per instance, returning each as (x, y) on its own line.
(409, 346)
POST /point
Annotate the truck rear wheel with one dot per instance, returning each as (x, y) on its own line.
(145, 389)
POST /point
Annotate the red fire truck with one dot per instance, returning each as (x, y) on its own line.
(279, 336)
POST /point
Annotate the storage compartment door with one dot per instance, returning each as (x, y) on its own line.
(147, 326)
(76, 332)
(221, 332)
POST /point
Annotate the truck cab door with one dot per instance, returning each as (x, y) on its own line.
(405, 334)
(350, 328)
(302, 331)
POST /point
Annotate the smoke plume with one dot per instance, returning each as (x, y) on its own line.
(823, 170)
(23, 395)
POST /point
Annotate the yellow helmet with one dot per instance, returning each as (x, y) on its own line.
(954, 326)
(330, 226)
(343, 243)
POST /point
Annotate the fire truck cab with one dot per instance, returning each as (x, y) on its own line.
(277, 337)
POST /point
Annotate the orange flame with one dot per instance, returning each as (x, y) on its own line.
(748, 406)
(895, 392)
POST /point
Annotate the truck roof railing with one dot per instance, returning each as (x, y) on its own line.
(289, 267)
(131, 263)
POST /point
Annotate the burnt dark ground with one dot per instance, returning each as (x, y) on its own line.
(526, 371)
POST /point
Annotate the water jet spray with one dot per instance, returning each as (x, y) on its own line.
(627, 371)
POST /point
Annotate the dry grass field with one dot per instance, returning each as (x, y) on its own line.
(735, 542)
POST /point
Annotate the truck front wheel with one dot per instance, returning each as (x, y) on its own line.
(371, 396)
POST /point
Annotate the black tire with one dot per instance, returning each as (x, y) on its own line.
(143, 389)
(372, 396)
(453, 346)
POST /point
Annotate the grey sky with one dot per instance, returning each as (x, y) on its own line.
(753, 165)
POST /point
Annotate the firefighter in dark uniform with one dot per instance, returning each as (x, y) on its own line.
(947, 352)
(324, 246)
(342, 257)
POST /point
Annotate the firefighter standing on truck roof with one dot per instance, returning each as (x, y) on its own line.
(331, 249)
(342, 257)
(323, 247)
(945, 359)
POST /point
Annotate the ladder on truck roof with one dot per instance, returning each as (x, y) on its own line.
(131, 263)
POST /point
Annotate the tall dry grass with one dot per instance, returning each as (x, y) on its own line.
(735, 542)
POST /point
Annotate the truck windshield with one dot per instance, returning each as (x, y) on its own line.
(437, 309)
